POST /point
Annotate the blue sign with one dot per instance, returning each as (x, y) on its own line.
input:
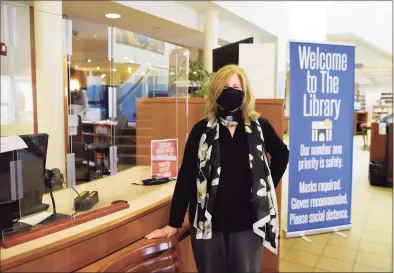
(321, 137)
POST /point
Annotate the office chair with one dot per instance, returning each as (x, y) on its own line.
(103, 147)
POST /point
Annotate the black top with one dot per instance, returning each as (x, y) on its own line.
(233, 209)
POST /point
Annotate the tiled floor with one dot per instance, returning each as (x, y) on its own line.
(368, 247)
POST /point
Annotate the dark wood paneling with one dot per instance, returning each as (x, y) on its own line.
(378, 145)
(33, 70)
(27, 236)
(77, 251)
(390, 154)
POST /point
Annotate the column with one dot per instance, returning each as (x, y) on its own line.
(48, 31)
(211, 31)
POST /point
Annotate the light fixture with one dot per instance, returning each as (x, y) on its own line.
(126, 58)
(114, 69)
(89, 60)
(95, 35)
(113, 15)
(103, 76)
(76, 66)
(153, 56)
(98, 68)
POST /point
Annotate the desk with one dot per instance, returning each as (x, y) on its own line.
(71, 249)
(382, 148)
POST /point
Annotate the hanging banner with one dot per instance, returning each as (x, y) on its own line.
(321, 138)
(164, 158)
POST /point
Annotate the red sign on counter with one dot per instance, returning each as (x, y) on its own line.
(164, 158)
(3, 49)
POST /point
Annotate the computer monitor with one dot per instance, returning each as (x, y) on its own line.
(33, 170)
(33, 159)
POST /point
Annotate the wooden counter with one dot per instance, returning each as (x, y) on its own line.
(381, 146)
(76, 247)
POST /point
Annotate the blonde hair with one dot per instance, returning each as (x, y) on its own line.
(217, 85)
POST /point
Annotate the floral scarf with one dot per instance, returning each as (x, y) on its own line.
(263, 190)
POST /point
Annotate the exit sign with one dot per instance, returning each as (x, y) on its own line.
(3, 49)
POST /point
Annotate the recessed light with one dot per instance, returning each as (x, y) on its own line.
(76, 66)
(113, 15)
(103, 76)
(95, 35)
(89, 60)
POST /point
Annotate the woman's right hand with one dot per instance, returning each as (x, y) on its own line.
(164, 232)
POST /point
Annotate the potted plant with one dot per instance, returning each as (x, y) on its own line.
(200, 79)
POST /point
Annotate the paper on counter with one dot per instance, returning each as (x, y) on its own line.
(36, 218)
(11, 143)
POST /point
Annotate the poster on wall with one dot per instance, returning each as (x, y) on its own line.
(321, 138)
(164, 158)
(140, 41)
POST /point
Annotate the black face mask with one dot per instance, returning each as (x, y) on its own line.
(230, 99)
(229, 104)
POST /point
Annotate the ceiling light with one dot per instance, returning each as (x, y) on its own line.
(76, 66)
(89, 60)
(103, 76)
(98, 68)
(126, 58)
(95, 35)
(113, 15)
(114, 69)
(153, 56)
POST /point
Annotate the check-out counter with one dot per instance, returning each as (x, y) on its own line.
(74, 248)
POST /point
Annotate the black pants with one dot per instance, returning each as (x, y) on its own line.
(238, 252)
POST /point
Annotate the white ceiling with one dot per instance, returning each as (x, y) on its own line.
(377, 64)
(132, 20)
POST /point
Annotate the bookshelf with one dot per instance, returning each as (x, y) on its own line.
(359, 101)
(360, 117)
(385, 106)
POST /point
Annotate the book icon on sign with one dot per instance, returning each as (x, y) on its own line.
(322, 130)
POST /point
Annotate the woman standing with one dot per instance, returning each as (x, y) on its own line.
(227, 181)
